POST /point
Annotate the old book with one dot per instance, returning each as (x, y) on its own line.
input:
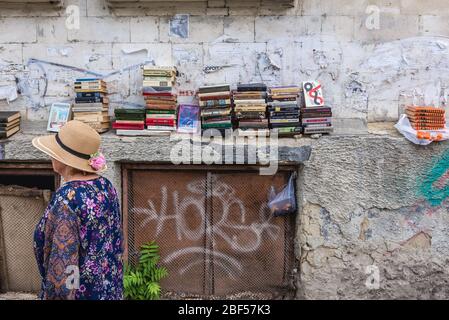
(155, 111)
(250, 115)
(135, 117)
(430, 127)
(155, 127)
(103, 100)
(9, 132)
(317, 125)
(289, 129)
(159, 78)
(159, 122)
(96, 94)
(130, 112)
(161, 116)
(157, 90)
(214, 88)
(143, 132)
(427, 121)
(314, 130)
(132, 122)
(316, 120)
(284, 90)
(251, 87)
(250, 108)
(283, 109)
(90, 105)
(214, 95)
(293, 104)
(215, 112)
(9, 116)
(157, 83)
(250, 101)
(316, 109)
(92, 118)
(425, 109)
(225, 125)
(253, 133)
(294, 120)
(213, 103)
(90, 91)
(250, 94)
(9, 125)
(275, 114)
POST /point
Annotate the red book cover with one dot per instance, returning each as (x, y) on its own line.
(128, 126)
(221, 97)
(160, 122)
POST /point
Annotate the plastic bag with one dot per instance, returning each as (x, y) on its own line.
(421, 137)
(284, 202)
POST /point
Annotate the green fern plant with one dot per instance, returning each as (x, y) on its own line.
(142, 281)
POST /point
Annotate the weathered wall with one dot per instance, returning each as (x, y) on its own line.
(375, 200)
(368, 71)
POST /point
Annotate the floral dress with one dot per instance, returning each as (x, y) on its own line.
(78, 243)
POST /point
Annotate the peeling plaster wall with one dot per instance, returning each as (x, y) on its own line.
(368, 75)
(375, 201)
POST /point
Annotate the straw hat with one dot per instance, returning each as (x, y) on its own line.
(74, 145)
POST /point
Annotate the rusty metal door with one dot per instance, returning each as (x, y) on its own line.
(215, 231)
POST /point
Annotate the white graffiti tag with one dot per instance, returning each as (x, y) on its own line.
(228, 222)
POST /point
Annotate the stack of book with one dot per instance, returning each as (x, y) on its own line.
(316, 117)
(160, 98)
(216, 108)
(426, 118)
(9, 123)
(91, 103)
(250, 107)
(317, 120)
(283, 110)
(128, 121)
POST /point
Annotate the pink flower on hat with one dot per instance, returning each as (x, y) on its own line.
(97, 161)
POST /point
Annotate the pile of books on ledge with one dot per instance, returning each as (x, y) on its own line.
(426, 118)
(216, 108)
(129, 121)
(283, 109)
(250, 107)
(9, 123)
(160, 99)
(92, 104)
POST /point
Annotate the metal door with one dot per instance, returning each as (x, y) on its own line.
(216, 234)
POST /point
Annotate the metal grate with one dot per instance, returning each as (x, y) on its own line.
(215, 231)
(20, 211)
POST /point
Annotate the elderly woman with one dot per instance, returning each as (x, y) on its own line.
(78, 241)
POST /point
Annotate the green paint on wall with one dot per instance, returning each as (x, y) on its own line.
(428, 189)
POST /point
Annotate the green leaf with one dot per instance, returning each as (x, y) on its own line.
(141, 282)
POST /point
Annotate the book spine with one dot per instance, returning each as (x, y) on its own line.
(151, 111)
(90, 94)
(147, 83)
(316, 120)
(154, 127)
(168, 122)
(318, 130)
(214, 103)
(128, 126)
